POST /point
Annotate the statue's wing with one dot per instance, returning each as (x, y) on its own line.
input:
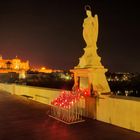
(96, 26)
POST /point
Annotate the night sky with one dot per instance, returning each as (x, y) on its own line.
(49, 32)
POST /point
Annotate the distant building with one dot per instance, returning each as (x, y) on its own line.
(45, 70)
(13, 65)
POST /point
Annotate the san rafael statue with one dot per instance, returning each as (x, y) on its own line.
(90, 35)
(90, 70)
(90, 29)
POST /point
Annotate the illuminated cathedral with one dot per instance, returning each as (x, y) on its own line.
(13, 64)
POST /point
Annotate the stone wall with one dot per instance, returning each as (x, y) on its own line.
(117, 110)
(43, 95)
(120, 110)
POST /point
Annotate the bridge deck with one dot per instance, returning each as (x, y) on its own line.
(24, 119)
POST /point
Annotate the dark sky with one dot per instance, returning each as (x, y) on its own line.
(49, 32)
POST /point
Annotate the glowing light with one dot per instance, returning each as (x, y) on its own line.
(67, 99)
(43, 68)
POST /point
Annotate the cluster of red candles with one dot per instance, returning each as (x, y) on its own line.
(68, 98)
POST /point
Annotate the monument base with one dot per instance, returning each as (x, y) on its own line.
(90, 59)
(92, 78)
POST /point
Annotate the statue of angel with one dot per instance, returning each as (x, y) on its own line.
(90, 28)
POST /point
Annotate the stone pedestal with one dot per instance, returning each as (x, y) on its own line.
(95, 77)
(90, 73)
(90, 59)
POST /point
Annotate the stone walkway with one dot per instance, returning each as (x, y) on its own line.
(24, 119)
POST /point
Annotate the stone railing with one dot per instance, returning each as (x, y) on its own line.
(120, 110)
(117, 110)
(43, 95)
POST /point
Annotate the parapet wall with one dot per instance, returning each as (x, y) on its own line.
(43, 95)
(121, 111)
(117, 110)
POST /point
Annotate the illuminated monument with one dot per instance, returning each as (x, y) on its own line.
(89, 77)
(13, 64)
(90, 73)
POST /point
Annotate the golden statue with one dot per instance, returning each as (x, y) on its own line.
(90, 28)
(90, 69)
